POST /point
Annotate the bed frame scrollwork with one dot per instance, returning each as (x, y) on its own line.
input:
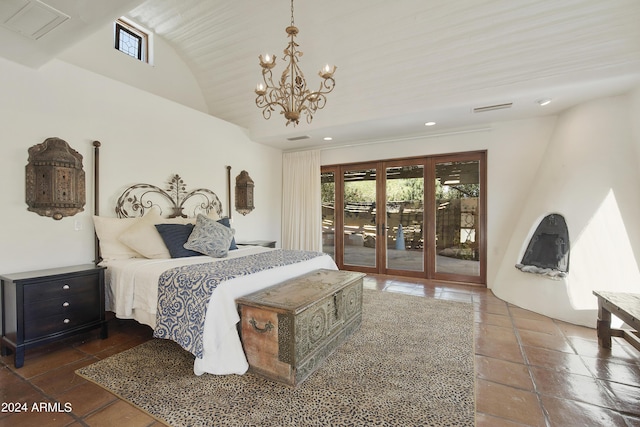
(139, 198)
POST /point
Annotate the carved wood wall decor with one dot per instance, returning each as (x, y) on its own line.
(244, 193)
(173, 202)
(55, 180)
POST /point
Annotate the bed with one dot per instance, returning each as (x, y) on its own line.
(148, 278)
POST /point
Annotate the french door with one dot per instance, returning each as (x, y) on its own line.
(420, 217)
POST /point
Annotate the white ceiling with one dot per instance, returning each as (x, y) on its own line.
(400, 63)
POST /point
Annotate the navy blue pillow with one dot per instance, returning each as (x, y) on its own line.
(174, 237)
(225, 222)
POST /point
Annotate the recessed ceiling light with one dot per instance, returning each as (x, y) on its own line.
(430, 123)
(328, 138)
(544, 101)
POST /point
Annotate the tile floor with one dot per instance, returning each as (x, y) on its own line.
(530, 370)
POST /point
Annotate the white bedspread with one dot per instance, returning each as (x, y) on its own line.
(132, 293)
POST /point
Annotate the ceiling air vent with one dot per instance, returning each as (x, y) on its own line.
(298, 138)
(492, 107)
(31, 18)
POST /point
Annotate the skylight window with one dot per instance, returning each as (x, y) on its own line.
(132, 40)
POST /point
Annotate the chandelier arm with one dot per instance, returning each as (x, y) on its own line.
(264, 94)
(269, 97)
(326, 87)
(268, 101)
(272, 94)
(328, 84)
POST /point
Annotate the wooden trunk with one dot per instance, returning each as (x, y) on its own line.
(289, 329)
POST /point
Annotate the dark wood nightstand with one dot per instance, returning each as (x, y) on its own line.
(46, 305)
(265, 243)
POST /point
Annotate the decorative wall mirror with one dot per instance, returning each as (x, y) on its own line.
(55, 180)
(244, 193)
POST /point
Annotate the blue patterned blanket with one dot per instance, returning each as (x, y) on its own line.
(184, 292)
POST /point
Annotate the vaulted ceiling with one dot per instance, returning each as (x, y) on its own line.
(400, 63)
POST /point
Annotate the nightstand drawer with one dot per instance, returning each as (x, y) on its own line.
(59, 323)
(59, 287)
(67, 304)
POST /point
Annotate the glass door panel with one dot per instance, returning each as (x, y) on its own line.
(405, 217)
(359, 217)
(328, 193)
(380, 217)
(457, 218)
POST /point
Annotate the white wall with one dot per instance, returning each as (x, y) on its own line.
(514, 150)
(144, 138)
(590, 175)
(167, 76)
(582, 164)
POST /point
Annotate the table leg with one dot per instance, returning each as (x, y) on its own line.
(604, 325)
(104, 331)
(4, 350)
(19, 357)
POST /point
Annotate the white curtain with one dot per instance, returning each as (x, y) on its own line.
(301, 204)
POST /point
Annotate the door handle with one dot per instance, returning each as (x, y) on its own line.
(381, 229)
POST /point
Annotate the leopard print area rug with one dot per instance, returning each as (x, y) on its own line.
(410, 364)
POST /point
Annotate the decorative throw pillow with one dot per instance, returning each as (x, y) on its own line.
(174, 237)
(145, 239)
(108, 229)
(225, 222)
(210, 237)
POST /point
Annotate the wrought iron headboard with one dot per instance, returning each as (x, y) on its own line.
(139, 198)
(173, 202)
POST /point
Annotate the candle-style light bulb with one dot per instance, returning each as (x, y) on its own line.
(327, 71)
(267, 61)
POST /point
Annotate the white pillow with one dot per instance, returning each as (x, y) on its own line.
(143, 237)
(108, 229)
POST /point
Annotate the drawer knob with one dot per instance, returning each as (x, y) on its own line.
(65, 304)
(66, 321)
(66, 287)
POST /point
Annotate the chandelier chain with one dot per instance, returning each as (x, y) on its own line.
(292, 24)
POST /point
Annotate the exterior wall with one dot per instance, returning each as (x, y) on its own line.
(144, 138)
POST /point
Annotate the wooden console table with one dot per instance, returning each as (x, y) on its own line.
(626, 307)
